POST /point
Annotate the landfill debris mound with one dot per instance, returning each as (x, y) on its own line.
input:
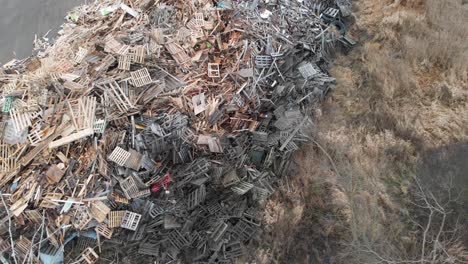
(154, 131)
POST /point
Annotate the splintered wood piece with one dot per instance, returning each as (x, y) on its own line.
(42, 100)
(73, 86)
(118, 96)
(195, 31)
(82, 112)
(19, 206)
(103, 230)
(158, 35)
(82, 218)
(7, 160)
(72, 137)
(133, 162)
(67, 76)
(178, 53)
(105, 64)
(112, 45)
(199, 19)
(89, 256)
(137, 54)
(130, 220)
(2, 128)
(55, 76)
(119, 199)
(80, 55)
(119, 156)
(129, 186)
(21, 121)
(141, 77)
(214, 145)
(99, 210)
(123, 50)
(9, 88)
(213, 70)
(33, 215)
(4, 245)
(23, 247)
(183, 33)
(121, 121)
(35, 151)
(54, 174)
(199, 103)
(115, 218)
(103, 167)
(124, 62)
(63, 66)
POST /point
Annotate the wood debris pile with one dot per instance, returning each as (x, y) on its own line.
(154, 131)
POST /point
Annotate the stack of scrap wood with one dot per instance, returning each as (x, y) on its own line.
(154, 131)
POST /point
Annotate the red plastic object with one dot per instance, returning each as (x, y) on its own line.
(164, 183)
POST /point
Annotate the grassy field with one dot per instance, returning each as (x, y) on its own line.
(379, 185)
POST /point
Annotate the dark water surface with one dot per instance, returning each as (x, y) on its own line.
(21, 19)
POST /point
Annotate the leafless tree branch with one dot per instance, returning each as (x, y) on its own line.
(12, 242)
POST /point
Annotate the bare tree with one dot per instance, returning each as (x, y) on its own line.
(438, 227)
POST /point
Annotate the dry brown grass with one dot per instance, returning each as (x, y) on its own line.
(402, 92)
(439, 38)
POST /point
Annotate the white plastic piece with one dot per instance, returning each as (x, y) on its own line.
(130, 220)
(307, 70)
(141, 77)
(129, 10)
(119, 156)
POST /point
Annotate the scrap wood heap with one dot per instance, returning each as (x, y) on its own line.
(156, 130)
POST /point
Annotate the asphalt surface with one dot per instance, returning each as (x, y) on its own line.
(20, 20)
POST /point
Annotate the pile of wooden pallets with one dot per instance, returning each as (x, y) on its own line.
(154, 131)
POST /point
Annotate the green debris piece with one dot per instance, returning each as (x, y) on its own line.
(107, 10)
(7, 104)
(73, 16)
(209, 45)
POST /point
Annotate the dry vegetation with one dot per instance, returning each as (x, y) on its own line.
(400, 95)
